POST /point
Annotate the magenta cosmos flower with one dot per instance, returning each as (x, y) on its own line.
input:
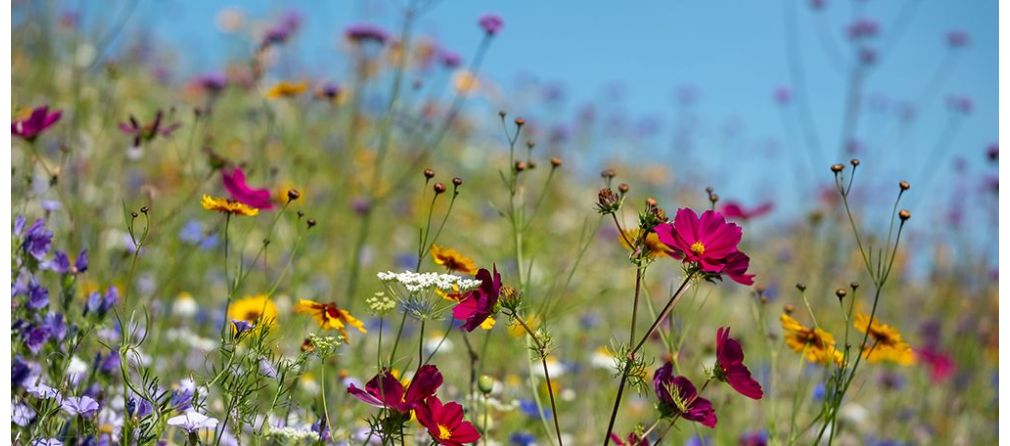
(234, 182)
(385, 391)
(491, 23)
(478, 304)
(729, 365)
(36, 123)
(445, 422)
(734, 210)
(678, 397)
(709, 242)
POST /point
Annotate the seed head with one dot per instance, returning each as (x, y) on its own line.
(555, 162)
(837, 168)
(904, 185)
(854, 285)
(840, 293)
(854, 162)
(904, 214)
(623, 188)
(608, 173)
(310, 223)
(607, 202)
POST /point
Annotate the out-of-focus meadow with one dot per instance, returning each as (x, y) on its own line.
(285, 231)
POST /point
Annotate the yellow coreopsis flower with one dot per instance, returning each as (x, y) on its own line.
(816, 345)
(453, 260)
(259, 310)
(227, 206)
(329, 316)
(287, 89)
(885, 342)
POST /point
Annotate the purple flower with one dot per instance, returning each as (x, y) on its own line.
(241, 327)
(19, 225)
(146, 132)
(56, 326)
(21, 414)
(783, 95)
(182, 398)
(36, 123)
(60, 263)
(139, 407)
(267, 369)
(281, 32)
(38, 239)
(43, 392)
(81, 264)
(109, 364)
(330, 91)
(450, 59)
(322, 428)
(36, 338)
(211, 82)
(363, 32)
(491, 23)
(20, 371)
(47, 442)
(83, 406)
(38, 295)
(957, 39)
(863, 28)
(193, 421)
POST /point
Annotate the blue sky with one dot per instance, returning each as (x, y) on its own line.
(732, 52)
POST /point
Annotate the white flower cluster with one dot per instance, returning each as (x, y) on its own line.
(418, 282)
(291, 434)
(380, 304)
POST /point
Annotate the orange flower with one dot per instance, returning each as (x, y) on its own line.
(887, 344)
(329, 316)
(228, 206)
(652, 243)
(453, 260)
(287, 89)
(816, 345)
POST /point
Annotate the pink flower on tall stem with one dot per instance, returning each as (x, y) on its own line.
(708, 242)
(734, 210)
(234, 182)
(491, 24)
(678, 397)
(445, 422)
(36, 123)
(478, 305)
(729, 366)
(941, 367)
(385, 391)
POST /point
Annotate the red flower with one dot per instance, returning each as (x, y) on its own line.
(941, 367)
(479, 303)
(734, 210)
(709, 242)
(40, 119)
(384, 390)
(684, 402)
(729, 365)
(633, 440)
(234, 182)
(445, 422)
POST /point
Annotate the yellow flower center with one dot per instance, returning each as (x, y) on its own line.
(698, 248)
(443, 432)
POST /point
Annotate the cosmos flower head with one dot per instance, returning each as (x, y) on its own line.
(329, 316)
(38, 121)
(816, 345)
(227, 206)
(453, 260)
(445, 422)
(885, 342)
(708, 243)
(734, 210)
(678, 397)
(385, 391)
(235, 183)
(491, 24)
(366, 33)
(479, 304)
(729, 366)
(632, 440)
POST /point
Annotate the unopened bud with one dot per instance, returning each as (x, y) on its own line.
(429, 174)
(904, 214)
(801, 286)
(555, 162)
(293, 194)
(439, 187)
(789, 309)
(485, 384)
(457, 181)
(520, 166)
(840, 293)
(310, 222)
(836, 168)
(623, 188)
(608, 173)
(854, 162)
(904, 185)
(519, 122)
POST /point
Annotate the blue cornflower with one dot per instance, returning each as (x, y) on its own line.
(83, 406)
(522, 439)
(529, 407)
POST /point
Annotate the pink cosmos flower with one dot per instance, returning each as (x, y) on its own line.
(478, 305)
(708, 241)
(386, 391)
(234, 182)
(734, 210)
(491, 24)
(632, 440)
(36, 123)
(729, 365)
(941, 367)
(678, 397)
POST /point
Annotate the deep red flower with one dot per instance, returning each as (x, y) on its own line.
(479, 303)
(632, 440)
(234, 182)
(729, 365)
(384, 390)
(678, 397)
(734, 210)
(709, 242)
(31, 127)
(941, 367)
(445, 422)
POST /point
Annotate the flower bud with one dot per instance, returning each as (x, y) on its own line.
(310, 222)
(623, 188)
(439, 188)
(293, 195)
(607, 202)
(840, 293)
(904, 214)
(429, 174)
(837, 168)
(485, 384)
(904, 185)
(520, 166)
(854, 162)
(555, 162)
(801, 286)
(457, 181)
(519, 122)
(608, 173)
(789, 309)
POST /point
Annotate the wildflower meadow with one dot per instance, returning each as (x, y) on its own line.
(274, 224)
